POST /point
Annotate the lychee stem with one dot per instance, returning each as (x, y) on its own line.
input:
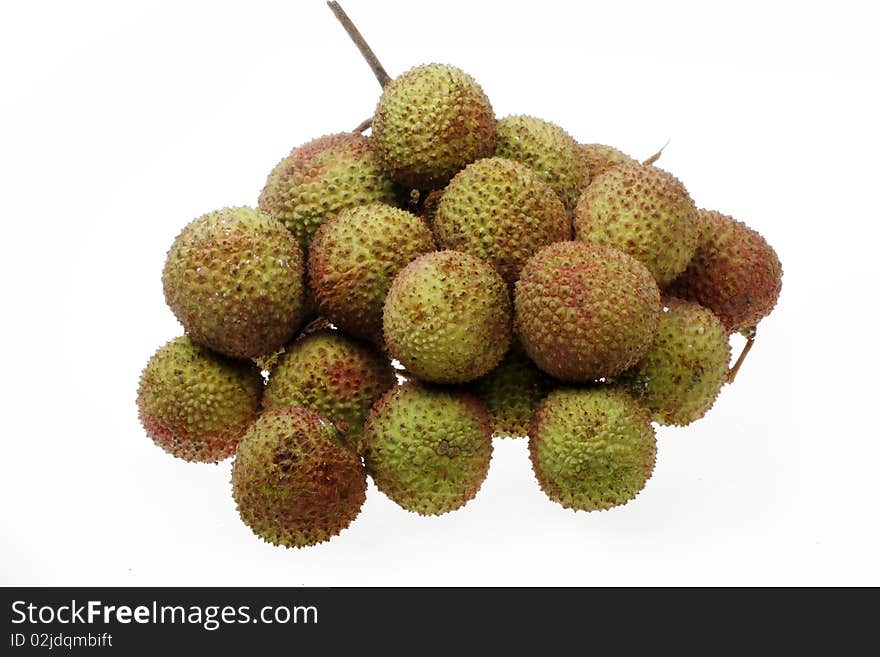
(361, 43)
(656, 156)
(749, 334)
(363, 125)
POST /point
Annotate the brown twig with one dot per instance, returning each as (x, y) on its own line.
(363, 125)
(656, 156)
(361, 43)
(750, 340)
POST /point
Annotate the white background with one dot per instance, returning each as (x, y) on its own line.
(121, 122)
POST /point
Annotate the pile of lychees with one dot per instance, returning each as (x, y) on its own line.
(396, 301)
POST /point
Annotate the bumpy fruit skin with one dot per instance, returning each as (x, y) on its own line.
(585, 311)
(501, 211)
(235, 279)
(643, 211)
(430, 122)
(511, 393)
(196, 404)
(680, 376)
(294, 482)
(734, 272)
(321, 178)
(600, 158)
(354, 258)
(334, 376)
(428, 448)
(447, 317)
(591, 449)
(548, 150)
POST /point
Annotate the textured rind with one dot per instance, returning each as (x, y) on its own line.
(548, 150)
(333, 375)
(680, 376)
(591, 449)
(293, 481)
(447, 317)
(600, 158)
(734, 272)
(501, 211)
(511, 393)
(430, 122)
(321, 178)
(428, 448)
(353, 259)
(643, 211)
(585, 311)
(196, 404)
(235, 279)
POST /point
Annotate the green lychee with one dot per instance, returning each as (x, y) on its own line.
(591, 449)
(431, 122)
(511, 393)
(196, 404)
(501, 211)
(643, 211)
(447, 317)
(680, 376)
(549, 151)
(428, 448)
(335, 376)
(235, 279)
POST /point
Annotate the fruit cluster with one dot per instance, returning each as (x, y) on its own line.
(397, 300)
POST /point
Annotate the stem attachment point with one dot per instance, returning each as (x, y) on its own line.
(656, 156)
(749, 335)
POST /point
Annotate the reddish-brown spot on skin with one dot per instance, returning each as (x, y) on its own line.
(301, 159)
(735, 272)
(302, 156)
(205, 449)
(580, 289)
(600, 158)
